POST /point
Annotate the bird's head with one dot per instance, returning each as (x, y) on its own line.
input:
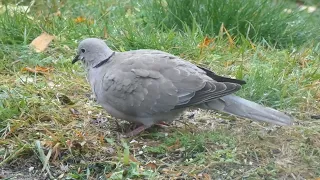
(93, 52)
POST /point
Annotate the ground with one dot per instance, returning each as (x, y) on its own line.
(51, 126)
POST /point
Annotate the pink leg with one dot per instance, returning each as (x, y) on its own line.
(136, 131)
(163, 123)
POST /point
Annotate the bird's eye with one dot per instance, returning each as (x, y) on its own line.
(83, 50)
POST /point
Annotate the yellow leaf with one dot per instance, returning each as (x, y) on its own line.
(80, 19)
(38, 69)
(41, 42)
(206, 42)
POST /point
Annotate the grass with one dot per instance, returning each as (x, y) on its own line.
(256, 20)
(50, 125)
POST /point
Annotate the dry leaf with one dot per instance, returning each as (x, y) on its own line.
(206, 42)
(132, 158)
(81, 19)
(41, 42)
(43, 69)
(151, 166)
(38, 69)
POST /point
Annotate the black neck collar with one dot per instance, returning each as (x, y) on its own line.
(104, 61)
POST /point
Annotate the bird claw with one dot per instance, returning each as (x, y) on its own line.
(136, 131)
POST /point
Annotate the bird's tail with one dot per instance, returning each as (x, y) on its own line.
(238, 106)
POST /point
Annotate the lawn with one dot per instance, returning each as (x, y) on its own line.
(51, 126)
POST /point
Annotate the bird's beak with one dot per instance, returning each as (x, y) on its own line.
(75, 59)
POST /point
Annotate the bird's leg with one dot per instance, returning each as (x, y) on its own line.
(162, 123)
(136, 131)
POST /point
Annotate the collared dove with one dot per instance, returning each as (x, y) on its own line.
(150, 87)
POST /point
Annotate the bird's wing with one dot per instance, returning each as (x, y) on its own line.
(146, 82)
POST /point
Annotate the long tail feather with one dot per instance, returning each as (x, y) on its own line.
(238, 106)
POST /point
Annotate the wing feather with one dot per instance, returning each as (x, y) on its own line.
(150, 82)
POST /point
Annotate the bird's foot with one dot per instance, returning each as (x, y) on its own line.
(136, 131)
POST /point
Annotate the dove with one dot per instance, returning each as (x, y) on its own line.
(149, 87)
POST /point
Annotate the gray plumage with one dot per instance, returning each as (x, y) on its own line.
(151, 86)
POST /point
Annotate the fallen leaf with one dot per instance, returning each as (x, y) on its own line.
(82, 19)
(29, 69)
(41, 42)
(205, 43)
(132, 158)
(44, 69)
(151, 166)
(38, 69)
